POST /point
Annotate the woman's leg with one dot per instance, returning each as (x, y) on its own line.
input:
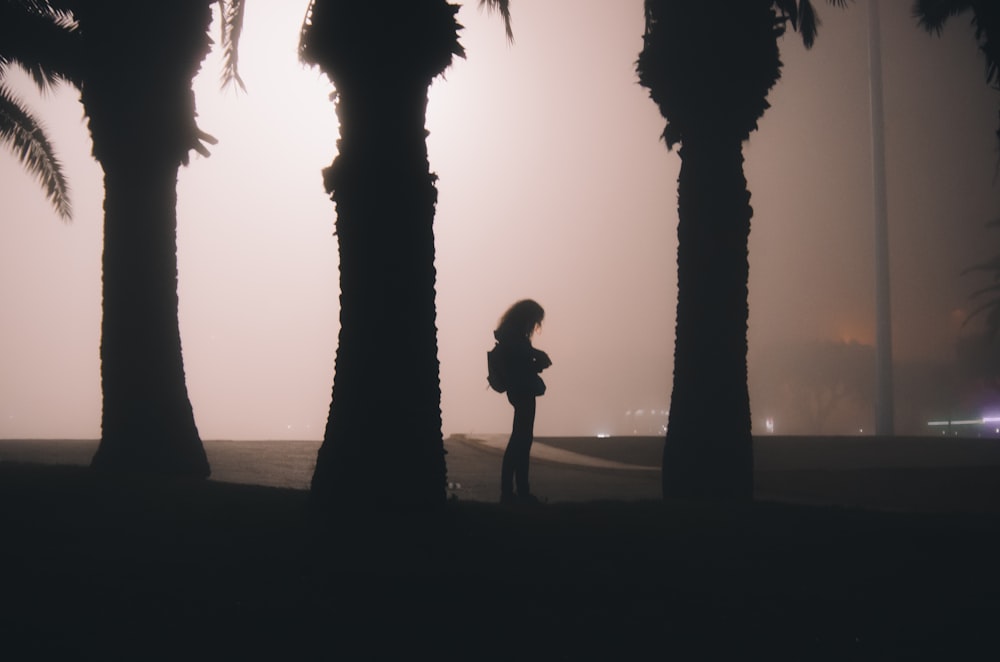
(517, 456)
(524, 449)
(507, 466)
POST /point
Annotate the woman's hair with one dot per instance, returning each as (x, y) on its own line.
(522, 318)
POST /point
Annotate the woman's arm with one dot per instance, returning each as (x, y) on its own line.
(540, 360)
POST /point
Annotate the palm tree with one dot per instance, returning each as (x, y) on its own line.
(24, 24)
(385, 413)
(140, 107)
(134, 63)
(933, 14)
(709, 67)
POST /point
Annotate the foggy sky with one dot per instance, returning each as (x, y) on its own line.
(546, 149)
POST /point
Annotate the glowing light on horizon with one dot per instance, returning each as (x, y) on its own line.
(989, 419)
(967, 421)
(854, 332)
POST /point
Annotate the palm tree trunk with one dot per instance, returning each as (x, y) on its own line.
(147, 421)
(140, 106)
(383, 446)
(708, 448)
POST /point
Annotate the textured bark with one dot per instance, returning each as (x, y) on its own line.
(138, 63)
(385, 415)
(708, 448)
(147, 423)
(709, 67)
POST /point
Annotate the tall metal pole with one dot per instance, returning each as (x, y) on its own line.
(883, 317)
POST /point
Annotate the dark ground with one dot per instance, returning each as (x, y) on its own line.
(95, 568)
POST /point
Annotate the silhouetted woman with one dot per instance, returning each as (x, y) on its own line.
(521, 363)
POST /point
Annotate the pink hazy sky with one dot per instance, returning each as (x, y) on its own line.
(547, 149)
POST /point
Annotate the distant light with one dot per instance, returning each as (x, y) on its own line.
(968, 421)
(603, 435)
(769, 425)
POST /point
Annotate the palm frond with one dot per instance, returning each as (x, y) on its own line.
(992, 265)
(931, 15)
(231, 15)
(44, 79)
(987, 26)
(803, 17)
(808, 23)
(992, 311)
(789, 10)
(26, 138)
(993, 289)
(503, 8)
(54, 12)
(38, 38)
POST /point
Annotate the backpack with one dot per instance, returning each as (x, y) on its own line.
(495, 373)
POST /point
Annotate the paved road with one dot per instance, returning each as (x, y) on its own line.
(556, 474)
(902, 474)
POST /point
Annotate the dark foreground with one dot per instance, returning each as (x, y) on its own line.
(140, 570)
